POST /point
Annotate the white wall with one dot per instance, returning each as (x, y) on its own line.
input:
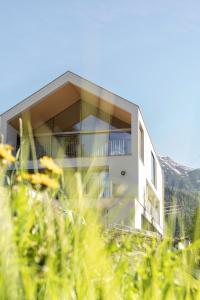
(145, 172)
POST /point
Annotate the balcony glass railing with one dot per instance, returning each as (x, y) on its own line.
(84, 144)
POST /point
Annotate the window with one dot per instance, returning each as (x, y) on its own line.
(152, 204)
(84, 130)
(141, 143)
(96, 183)
(146, 225)
(153, 169)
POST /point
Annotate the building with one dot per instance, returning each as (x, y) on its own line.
(93, 125)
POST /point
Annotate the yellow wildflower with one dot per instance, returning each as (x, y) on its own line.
(25, 176)
(49, 164)
(6, 154)
(39, 179)
(44, 180)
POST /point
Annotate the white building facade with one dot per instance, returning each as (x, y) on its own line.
(81, 125)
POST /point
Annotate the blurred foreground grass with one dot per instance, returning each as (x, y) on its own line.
(53, 245)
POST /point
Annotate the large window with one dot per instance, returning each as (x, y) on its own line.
(153, 170)
(96, 183)
(83, 130)
(141, 143)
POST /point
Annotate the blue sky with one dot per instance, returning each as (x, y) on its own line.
(145, 51)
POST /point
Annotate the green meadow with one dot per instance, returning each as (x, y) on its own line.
(53, 244)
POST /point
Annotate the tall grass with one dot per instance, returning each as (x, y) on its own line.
(53, 245)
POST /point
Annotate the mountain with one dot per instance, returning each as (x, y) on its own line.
(173, 167)
(182, 193)
(180, 177)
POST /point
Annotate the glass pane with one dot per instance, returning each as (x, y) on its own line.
(43, 146)
(67, 145)
(153, 169)
(69, 119)
(105, 190)
(141, 143)
(94, 123)
(94, 144)
(119, 143)
(98, 184)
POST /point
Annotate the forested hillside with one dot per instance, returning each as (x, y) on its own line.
(182, 194)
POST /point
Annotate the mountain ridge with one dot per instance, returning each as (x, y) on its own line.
(180, 176)
(182, 191)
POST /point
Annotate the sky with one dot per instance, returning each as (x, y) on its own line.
(146, 51)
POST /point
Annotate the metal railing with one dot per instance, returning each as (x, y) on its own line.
(83, 145)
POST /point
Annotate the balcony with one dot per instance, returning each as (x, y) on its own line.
(84, 144)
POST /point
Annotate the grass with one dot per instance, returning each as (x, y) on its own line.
(54, 246)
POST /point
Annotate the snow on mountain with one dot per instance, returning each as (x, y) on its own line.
(182, 190)
(171, 167)
(179, 176)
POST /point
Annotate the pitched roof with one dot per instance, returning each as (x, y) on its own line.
(60, 81)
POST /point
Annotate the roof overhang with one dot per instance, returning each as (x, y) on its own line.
(66, 90)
